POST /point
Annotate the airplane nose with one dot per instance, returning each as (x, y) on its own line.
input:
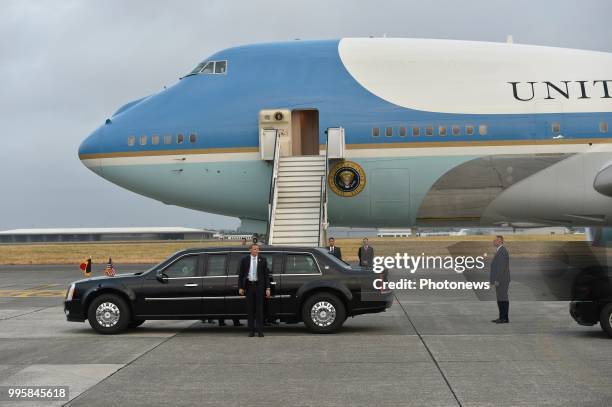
(89, 150)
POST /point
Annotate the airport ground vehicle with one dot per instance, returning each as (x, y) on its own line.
(308, 285)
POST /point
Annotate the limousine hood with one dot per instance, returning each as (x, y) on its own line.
(97, 278)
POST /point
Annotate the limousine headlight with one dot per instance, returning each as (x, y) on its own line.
(70, 292)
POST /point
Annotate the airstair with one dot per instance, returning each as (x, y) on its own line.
(297, 208)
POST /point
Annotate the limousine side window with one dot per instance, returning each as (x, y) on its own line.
(234, 263)
(300, 264)
(184, 267)
(274, 262)
(215, 265)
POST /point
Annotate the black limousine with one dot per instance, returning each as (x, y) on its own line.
(307, 285)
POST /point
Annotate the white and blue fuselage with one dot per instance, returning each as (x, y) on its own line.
(447, 132)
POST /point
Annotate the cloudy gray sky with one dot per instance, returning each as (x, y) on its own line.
(67, 65)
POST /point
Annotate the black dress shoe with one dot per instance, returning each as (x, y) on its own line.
(497, 321)
(503, 321)
(261, 335)
(251, 334)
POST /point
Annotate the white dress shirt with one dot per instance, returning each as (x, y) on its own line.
(253, 269)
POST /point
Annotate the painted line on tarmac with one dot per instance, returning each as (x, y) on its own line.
(39, 291)
(32, 293)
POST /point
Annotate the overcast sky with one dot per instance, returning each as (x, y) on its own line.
(65, 66)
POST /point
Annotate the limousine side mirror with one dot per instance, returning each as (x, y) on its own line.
(162, 277)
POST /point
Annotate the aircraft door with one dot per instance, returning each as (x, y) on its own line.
(305, 132)
(272, 122)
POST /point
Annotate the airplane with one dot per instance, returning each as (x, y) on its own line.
(291, 137)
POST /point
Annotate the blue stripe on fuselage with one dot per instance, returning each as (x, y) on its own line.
(223, 109)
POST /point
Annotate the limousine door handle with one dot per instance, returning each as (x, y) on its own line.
(191, 285)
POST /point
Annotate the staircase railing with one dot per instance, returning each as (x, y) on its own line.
(273, 195)
(323, 205)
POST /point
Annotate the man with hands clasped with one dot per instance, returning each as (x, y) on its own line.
(254, 283)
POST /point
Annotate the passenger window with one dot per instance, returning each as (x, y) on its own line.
(185, 267)
(300, 264)
(603, 127)
(179, 139)
(429, 131)
(456, 130)
(375, 132)
(416, 131)
(208, 68)
(215, 265)
(167, 139)
(192, 138)
(234, 263)
(402, 132)
(131, 140)
(155, 140)
(469, 130)
(482, 129)
(220, 67)
(143, 140)
(441, 130)
(389, 132)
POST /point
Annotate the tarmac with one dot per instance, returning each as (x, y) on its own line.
(431, 348)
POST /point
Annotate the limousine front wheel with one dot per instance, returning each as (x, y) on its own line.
(108, 314)
(323, 313)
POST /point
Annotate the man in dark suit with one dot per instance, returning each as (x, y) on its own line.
(366, 254)
(500, 279)
(333, 249)
(254, 282)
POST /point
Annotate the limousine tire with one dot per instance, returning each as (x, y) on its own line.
(323, 313)
(605, 319)
(135, 323)
(108, 314)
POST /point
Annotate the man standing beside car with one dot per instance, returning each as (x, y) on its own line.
(333, 249)
(254, 282)
(366, 254)
(500, 278)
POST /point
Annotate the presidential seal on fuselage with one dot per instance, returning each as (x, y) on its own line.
(346, 179)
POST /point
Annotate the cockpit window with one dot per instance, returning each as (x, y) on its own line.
(210, 68)
(220, 67)
(197, 69)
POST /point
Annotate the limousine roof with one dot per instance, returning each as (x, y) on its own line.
(241, 248)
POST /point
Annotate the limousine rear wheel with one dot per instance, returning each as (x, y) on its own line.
(108, 314)
(323, 313)
(605, 319)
